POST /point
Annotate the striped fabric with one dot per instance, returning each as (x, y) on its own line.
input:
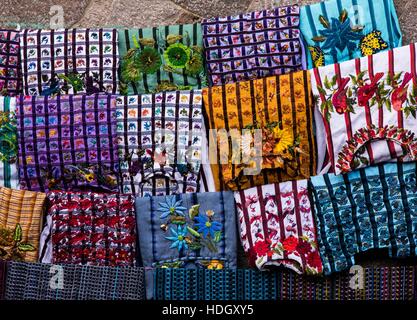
(39, 281)
(8, 143)
(342, 30)
(277, 227)
(370, 208)
(23, 209)
(253, 45)
(368, 109)
(67, 143)
(160, 142)
(89, 229)
(167, 72)
(379, 283)
(281, 108)
(187, 230)
(69, 61)
(10, 66)
(3, 275)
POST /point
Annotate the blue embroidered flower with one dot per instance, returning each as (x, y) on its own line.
(206, 226)
(171, 207)
(179, 238)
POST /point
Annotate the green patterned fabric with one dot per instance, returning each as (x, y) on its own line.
(8, 143)
(162, 58)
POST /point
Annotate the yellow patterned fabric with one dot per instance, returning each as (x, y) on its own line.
(282, 108)
(23, 209)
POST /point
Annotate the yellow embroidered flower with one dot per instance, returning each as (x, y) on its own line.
(215, 265)
(284, 140)
(89, 177)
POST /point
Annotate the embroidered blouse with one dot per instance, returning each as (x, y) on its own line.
(67, 142)
(341, 30)
(368, 109)
(21, 214)
(89, 229)
(261, 131)
(69, 61)
(160, 142)
(8, 143)
(10, 66)
(253, 45)
(371, 208)
(277, 227)
(165, 58)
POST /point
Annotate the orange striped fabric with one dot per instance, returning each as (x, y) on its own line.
(282, 107)
(24, 208)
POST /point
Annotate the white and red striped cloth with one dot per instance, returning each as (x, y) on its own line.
(277, 227)
(367, 109)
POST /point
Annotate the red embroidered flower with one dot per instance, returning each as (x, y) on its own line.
(367, 91)
(304, 247)
(340, 99)
(290, 244)
(399, 95)
(314, 260)
(262, 248)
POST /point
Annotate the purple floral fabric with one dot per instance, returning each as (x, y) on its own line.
(67, 142)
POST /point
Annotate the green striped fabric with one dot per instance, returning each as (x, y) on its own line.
(161, 75)
(8, 143)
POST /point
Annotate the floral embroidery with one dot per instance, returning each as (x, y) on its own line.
(11, 245)
(8, 137)
(317, 55)
(75, 82)
(350, 156)
(372, 43)
(390, 93)
(194, 232)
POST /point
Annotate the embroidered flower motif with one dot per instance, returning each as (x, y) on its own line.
(8, 137)
(194, 65)
(283, 140)
(367, 91)
(290, 244)
(314, 260)
(206, 226)
(372, 43)
(171, 207)
(317, 56)
(399, 95)
(148, 60)
(179, 238)
(215, 265)
(177, 55)
(262, 247)
(11, 245)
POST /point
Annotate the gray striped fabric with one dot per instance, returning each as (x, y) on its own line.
(37, 281)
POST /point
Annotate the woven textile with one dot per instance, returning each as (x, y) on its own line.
(277, 227)
(379, 283)
(10, 66)
(371, 208)
(67, 142)
(368, 108)
(3, 271)
(341, 30)
(165, 58)
(38, 281)
(90, 229)
(160, 142)
(69, 61)
(20, 221)
(187, 230)
(253, 45)
(281, 108)
(8, 143)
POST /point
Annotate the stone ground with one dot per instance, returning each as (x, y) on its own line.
(149, 13)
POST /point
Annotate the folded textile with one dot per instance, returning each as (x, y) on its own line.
(372, 283)
(160, 142)
(8, 143)
(67, 143)
(277, 227)
(21, 214)
(342, 30)
(371, 208)
(263, 131)
(368, 109)
(89, 229)
(165, 58)
(10, 66)
(39, 281)
(3, 275)
(253, 45)
(69, 61)
(195, 230)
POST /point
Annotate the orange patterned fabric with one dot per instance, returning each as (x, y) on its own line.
(280, 106)
(24, 208)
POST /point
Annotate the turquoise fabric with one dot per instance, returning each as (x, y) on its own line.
(348, 29)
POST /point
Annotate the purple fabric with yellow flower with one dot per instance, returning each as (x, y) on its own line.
(67, 143)
(253, 45)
